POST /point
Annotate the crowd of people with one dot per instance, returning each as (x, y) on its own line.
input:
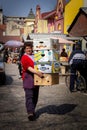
(11, 55)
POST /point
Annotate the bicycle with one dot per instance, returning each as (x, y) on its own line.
(80, 83)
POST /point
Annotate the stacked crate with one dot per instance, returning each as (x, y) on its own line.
(46, 59)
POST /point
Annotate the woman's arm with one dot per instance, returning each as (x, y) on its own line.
(40, 74)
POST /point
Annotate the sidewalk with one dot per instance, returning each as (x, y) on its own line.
(57, 108)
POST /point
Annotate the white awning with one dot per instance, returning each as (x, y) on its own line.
(62, 40)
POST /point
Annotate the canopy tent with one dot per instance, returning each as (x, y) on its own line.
(62, 40)
(64, 43)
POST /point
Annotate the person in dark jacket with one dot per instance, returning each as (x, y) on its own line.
(76, 61)
(63, 53)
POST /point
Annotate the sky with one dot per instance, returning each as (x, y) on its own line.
(21, 8)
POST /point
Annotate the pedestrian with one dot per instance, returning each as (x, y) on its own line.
(85, 50)
(76, 61)
(31, 91)
(63, 53)
(21, 52)
(6, 55)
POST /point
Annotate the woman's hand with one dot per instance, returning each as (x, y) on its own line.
(40, 74)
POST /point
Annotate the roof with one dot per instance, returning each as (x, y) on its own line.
(48, 14)
(61, 37)
(53, 12)
(82, 11)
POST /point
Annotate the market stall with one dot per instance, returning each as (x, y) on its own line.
(67, 45)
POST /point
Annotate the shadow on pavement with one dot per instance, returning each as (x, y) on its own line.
(53, 109)
(7, 81)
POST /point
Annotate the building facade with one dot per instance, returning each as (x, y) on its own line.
(12, 28)
(71, 10)
(59, 19)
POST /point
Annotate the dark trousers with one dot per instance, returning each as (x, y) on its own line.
(31, 97)
(72, 77)
(83, 71)
(20, 69)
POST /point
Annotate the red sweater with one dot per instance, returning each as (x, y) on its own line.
(26, 62)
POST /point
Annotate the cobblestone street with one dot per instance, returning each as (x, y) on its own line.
(57, 108)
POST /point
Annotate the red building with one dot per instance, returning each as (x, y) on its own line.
(55, 18)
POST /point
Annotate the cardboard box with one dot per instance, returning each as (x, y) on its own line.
(46, 43)
(46, 55)
(48, 67)
(49, 79)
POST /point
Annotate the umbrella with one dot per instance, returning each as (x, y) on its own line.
(1, 47)
(14, 43)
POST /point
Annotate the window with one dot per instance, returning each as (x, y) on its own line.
(59, 26)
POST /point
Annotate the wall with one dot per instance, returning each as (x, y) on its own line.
(85, 3)
(12, 29)
(42, 26)
(71, 10)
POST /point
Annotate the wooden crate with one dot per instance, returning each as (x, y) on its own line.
(63, 69)
(49, 79)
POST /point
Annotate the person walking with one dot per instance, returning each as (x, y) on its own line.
(28, 71)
